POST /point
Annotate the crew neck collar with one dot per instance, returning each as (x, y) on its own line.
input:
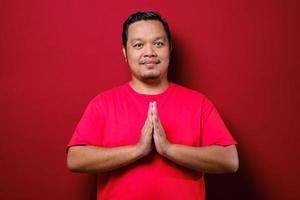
(163, 93)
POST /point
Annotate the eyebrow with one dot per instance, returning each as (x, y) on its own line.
(156, 38)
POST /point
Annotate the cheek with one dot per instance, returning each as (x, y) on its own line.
(165, 58)
(133, 63)
(133, 57)
(165, 54)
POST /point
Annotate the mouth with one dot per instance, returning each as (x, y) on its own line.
(150, 63)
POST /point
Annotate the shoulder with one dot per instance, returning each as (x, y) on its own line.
(194, 99)
(108, 95)
(187, 93)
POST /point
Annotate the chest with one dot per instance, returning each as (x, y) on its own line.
(123, 123)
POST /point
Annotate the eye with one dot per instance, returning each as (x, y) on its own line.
(159, 44)
(138, 45)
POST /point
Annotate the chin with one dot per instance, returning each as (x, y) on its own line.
(150, 76)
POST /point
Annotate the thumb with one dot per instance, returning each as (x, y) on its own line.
(154, 108)
(150, 112)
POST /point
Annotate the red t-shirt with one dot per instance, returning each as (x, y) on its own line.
(116, 117)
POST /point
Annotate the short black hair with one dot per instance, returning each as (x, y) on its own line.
(141, 15)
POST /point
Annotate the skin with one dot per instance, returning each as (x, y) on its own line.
(148, 53)
(99, 159)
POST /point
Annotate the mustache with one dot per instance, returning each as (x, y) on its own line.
(149, 61)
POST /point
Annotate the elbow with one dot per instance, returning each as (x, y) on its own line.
(230, 166)
(73, 163)
(233, 164)
(72, 166)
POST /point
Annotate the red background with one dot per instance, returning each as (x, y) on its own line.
(56, 55)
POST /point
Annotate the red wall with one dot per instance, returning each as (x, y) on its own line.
(56, 55)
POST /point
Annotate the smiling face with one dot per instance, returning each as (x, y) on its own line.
(147, 51)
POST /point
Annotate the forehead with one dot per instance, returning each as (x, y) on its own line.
(145, 29)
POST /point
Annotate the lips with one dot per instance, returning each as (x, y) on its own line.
(150, 62)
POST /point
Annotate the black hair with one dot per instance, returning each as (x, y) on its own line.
(141, 15)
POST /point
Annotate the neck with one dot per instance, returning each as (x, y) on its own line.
(151, 88)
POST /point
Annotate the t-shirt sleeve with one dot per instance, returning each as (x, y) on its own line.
(88, 130)
(213, 129)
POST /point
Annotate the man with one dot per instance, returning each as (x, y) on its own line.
(150, 138)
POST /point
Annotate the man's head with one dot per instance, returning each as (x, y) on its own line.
(147, 46)
(138, 16)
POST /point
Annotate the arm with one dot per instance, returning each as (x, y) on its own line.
(211, 159)
(101, 159)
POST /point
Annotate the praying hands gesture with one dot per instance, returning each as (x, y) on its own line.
(211, 159)
(153, 129)
(160, 138)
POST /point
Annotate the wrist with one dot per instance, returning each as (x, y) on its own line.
(166, 150)
(140, 150)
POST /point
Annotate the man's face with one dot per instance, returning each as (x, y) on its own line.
(148, 50)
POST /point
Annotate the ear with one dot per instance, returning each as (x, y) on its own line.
(124, 53)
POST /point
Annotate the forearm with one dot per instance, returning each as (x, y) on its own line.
(210, 159)
(99, 159)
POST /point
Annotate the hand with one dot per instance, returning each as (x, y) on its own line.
(160, 138)
(145, 141)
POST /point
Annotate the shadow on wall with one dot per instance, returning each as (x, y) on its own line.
(175, 67)
(237, 186)
(231, 186)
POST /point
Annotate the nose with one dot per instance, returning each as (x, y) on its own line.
(149, 51)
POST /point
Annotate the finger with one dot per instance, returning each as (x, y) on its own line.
(147, 125)
(155, 131)
(151, 115)
(158, 134)
(150, 126)
(154, 108)
(150, 109)
(149, 119)
(156, 128)
(156, 119)
(155, 113)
